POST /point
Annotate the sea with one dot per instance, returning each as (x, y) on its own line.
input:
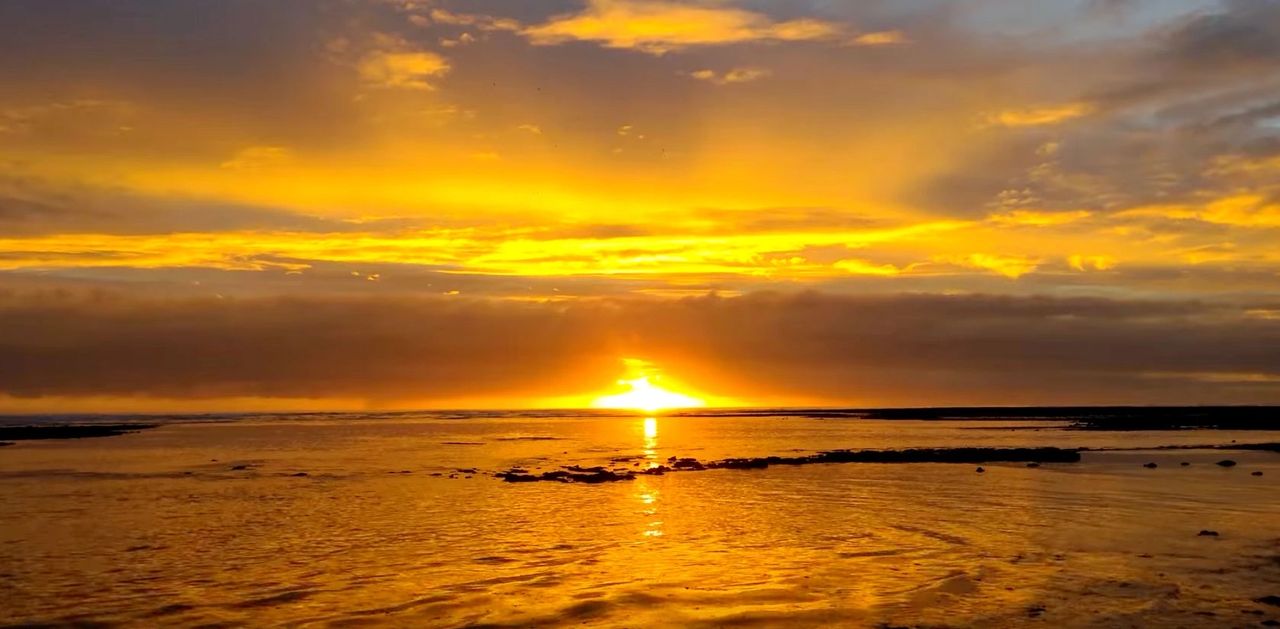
(402, 520)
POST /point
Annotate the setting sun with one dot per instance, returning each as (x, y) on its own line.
(642, 394)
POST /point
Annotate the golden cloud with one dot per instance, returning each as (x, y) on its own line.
(1039, 116)
(1038, 218)
(729, 77)
(880, 38)
(1010, 266)
(403, 70)
(659, 26)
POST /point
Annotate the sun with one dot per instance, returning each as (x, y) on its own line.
(643, 394)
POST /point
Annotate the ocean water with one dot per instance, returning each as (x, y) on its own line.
(156, 528)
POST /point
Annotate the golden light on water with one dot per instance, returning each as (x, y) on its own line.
(644, 394)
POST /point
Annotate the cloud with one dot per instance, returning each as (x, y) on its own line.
(1244, 210)
(1010, 266)
(1095, 263)
(1035, 218)
(880, 38)
(402, 70)
(1246, 34)
(479, 21)
(1039, 116)
(862, 267)
(660, 26)
(729, 77)
(258, 157)
(875, 349)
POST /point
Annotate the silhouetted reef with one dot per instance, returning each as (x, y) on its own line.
(68, 431)
(600, 474)
(1104, 417)
(1259, 447)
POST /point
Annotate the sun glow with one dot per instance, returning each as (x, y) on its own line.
(643, 394)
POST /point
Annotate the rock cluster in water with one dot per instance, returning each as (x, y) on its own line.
(601, 474)
(67, 431)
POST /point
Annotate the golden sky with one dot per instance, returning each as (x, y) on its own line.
(398, 203)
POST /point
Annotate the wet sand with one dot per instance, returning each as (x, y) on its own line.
(345, 520)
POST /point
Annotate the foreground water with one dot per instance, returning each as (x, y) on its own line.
(159, 528)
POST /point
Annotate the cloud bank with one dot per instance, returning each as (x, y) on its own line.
(809, 347)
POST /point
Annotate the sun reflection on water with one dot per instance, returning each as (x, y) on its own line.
(647, 495)
(650, 429)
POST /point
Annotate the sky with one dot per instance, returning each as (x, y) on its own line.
(332, 204)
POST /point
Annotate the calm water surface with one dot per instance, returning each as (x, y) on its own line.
(155, 528)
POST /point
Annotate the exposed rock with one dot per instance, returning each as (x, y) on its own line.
(1226, 463)
(517, 478)
(68, 431)
(1272, 600)
(596, 474)
(741, 464)
(1259, 473)
(1207, 533)
(565, 476)
(236, 468)
(299, 474)
(1150, 466)
(1033, 464)
(1184, 464)
(980, 470)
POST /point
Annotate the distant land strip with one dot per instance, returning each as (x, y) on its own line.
(64, 431)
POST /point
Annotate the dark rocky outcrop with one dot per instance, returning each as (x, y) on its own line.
(740, 464)
(68, 431)
(566, 476)
(600, 474)
(1226, 463)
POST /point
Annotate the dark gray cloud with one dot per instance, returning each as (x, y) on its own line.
(1246, 34)
(905, 349)
(30, 207)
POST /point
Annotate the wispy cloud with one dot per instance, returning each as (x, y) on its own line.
(729, 77)
(411, 70)
(1038, 218)
(660, 26)
(1040, 115)
(1010, 266)
(880, 38)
